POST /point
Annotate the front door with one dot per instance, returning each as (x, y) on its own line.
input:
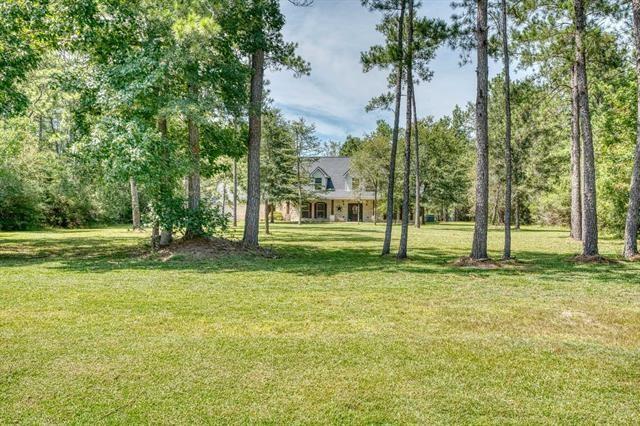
(354, 211)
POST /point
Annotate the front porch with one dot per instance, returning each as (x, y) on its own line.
(345, 210)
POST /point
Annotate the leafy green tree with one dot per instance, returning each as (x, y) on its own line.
(446, 154)
(369, 161)
(278, 162)
(306, 147)
(23, 40)
(350, 146)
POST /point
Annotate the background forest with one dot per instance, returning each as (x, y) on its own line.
(110, 106)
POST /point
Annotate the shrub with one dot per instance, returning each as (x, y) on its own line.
(19, 208)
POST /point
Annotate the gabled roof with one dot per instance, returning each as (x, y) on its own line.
(320, 170)
(334, 167)
(337, 169)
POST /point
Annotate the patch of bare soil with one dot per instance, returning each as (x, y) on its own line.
(209, 248)
(468, 262)
(512, 263)
(597, 259)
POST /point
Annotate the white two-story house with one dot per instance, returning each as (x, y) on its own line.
(337, 195)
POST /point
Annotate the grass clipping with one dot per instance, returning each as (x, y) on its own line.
(209, 248)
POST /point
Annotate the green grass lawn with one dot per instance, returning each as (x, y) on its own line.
(329, 332)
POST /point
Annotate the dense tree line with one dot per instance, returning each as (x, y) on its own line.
(157, 111)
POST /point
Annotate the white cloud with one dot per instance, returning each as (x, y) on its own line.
(331, 34)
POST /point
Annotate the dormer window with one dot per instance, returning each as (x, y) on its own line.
(317, 183)
(330, 186)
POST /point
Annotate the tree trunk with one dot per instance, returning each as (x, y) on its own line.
(496, 206)
(272, 209)
(406, 194)
(517, 212)
(479, 248)
(386, 246)
(507, 135)
(193, 180)
(40, 131)
(590, 216)
(417, 216)
(166, 236)
(135, 204)
(576, 168)
(375, 205)
(224, 198)
(235, 192)
(155, 237)
(266, 215)
(252, 216)
(299, 191)
(631, 227)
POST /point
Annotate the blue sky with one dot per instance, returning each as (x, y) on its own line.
(331, 34)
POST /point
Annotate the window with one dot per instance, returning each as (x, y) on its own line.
(330, 186)
(306, 211)
(318, 183)
(321, 210)
(355, 184)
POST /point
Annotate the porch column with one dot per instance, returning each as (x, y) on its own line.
(312, 208)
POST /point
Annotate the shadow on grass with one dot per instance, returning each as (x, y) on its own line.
(100, 255)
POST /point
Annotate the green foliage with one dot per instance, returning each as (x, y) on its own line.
(278, 160)
(370, 161)
(209, 220)
(19, 206)
(446, 161)
(615, 131)
(351, 145)
(22, 41)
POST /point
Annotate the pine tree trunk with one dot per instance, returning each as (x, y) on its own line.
(252, 216)
(386, 246)
(576, 167)
(590, 216)
(631, 227)
(507, 139)
(272, 209)
(479, 248)
(235, 192)
(299, 190)
(406, 193)
(417, 216)
(193, 180)
(266, 215)
(517, 212)
(166, 234)
(135, 204)
(494, 220)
